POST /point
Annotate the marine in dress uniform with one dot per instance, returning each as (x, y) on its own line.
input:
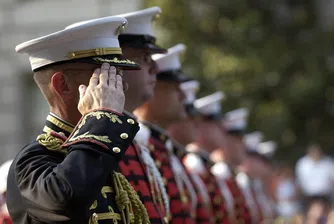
(182, 195)
(210, 204)
(235, 123)
(138, 43)
(212, 138)
(261, 153)
(204, 213)
(246, 181)
(68, 174)
(224, 157)
(138, 165)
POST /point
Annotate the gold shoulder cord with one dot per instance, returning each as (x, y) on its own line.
(127, 199)
(50, 142)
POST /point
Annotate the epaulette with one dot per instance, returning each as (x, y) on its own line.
(221, 170)
(243, 180)
(53, 141)
(194, 163)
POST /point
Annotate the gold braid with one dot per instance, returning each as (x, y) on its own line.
(139, 210)
(122, 199)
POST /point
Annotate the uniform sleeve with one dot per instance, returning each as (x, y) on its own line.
(95, 147)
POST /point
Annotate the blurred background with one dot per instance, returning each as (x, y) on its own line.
(274, 57)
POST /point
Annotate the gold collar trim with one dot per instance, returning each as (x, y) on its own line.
(60, 124)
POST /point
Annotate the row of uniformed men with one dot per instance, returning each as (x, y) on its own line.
(181, 166)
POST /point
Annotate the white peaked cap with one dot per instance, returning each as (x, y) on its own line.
(95, 38)
(4, 169)
(171, 60)
(236, 120)
(252, 140)
(190, 88)
(267, 149)
(140, 22)
(210, 104)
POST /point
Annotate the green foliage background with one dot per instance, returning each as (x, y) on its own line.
(269, 57)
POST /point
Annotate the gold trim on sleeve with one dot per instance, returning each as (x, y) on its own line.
(106, 189)
(102, 138)
(94, 205)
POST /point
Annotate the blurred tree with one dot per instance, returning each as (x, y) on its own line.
(269, 56)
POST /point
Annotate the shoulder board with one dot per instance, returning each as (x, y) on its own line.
(194, 163)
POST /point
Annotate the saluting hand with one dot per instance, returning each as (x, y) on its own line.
(105, 90)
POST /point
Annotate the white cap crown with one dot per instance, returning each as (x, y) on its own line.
(190, 89)
(267, 149)
(92, 38)
(210, 104)
(171, 60)
(236, 120)
(252, 140)
(140, 22)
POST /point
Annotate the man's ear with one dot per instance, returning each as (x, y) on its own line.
(60, 85)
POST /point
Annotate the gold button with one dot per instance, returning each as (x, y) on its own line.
(217, 200)
(151, 146)
(166, 220)
(158, 163)
(211, 188)
(116, 150)
(184, 198)
(162, 137)
(130, 121)
(124, 136)
(95, 218)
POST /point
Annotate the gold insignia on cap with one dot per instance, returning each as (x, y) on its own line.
(114, 60)
(94, 52)
(156, 17)
(121, 29)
